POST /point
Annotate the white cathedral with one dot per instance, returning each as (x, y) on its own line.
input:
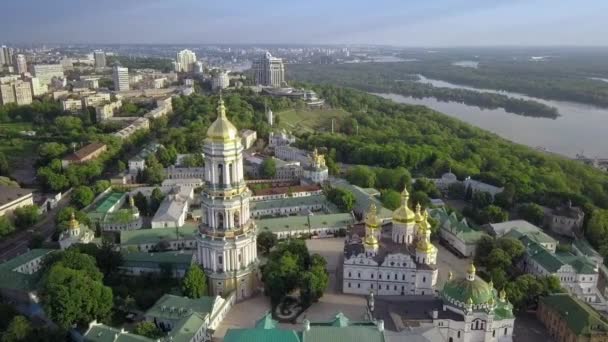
(227, 240)
(399, 261)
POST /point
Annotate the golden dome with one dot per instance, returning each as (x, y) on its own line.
(503, 295)
(371, 240)
(404, 214)
(222, 129)
(73, 223)
(371, 219)
(471, 269)
(424, 246)
(418, 215)
(450, 275)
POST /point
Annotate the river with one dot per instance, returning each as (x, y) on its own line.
(580, 128)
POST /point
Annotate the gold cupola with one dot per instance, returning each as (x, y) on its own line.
(404, 214)
(73, 223)
(424, 244)
(372, 227)
(371, 219)
(222, 129)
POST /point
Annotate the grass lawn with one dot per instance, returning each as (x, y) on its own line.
(15, 127)
(18, 147)
(309, 119)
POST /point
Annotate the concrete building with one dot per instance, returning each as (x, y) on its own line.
(12, 198)
(71, 105)
(147, 240)
(6, 55)
(38, 88)
(76, 233)
(227, 243)
(171, 212)
(96, 99)
(402, 263)
(7, 93)
(107, 110)
(281, 138)
(120, 76)
(137, 125)
(143, 263)
(20, 279)
(46, 72)
(479, 186)
(220, 80)
(269, 71)
(457, 233)
(318, 225)
(112, 212)
(316, 171)
(18, 92)
(184, 172)
(199, 69)
(84, 154)
(565, 220)
(185, 60)
(290, 206)
(20, 64)
(569, 319)
(248, 138)
(291, 153)
(138, 162)
(100, 59)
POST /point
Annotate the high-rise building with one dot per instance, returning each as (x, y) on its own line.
(198, 67)
(23, 92)
(46, 72)
(100, 59)
(38, 88)
(7, 94)
(120, 76)
(185, 60)
(20, 64)
(6, 55)
(269, 71)
(220, 80)
(227, 238)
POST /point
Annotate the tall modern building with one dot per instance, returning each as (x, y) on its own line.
(269, 71)
(6, 55)
(100, 58)
(185, 60)
(227, 239)
(120, 76)
(20, 64)
(220, 80)
(46, 72)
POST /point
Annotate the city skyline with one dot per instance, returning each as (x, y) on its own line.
(388, 22)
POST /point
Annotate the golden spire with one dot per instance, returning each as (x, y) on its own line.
(222, 129)
(450, 275)
(503, 295)
(221, 109)
(73, 223)
(491, 302)
(404, 214)
(418, 214)
(371, 219)
(471, 270)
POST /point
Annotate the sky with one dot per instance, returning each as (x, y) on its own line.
(391, 22)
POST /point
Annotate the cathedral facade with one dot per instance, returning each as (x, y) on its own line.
(398, 261)
(227, 240)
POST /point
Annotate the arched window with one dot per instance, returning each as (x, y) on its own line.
(230, 176)
(237, 219)
(220, 174)
(220, 220)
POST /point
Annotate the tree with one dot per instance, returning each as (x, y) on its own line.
(6, 226)
(265, 241)
(71, 296)
(154, 173)
(268, 168)
(51, 150)
(493, 214)
(456, 190)
(100, 186)
(155, 199)
(108, 258)
(343, 199)
(427, 186)
(498, 259)
(194, 284)
(4, 167)
(18, 330)
(481, 199)
(420, 197)
(362, 176)
(82, 196)
(597, 227)
(391, 199)
(148, 329)
(513, 247)
(141, 202)
(532, 212)
(27, 216)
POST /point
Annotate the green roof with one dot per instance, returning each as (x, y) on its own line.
(186, 328)
(146, 236)
(579, 316)
(462, 290)
(585, 248)
(104, 204)
(288, 223)
(340, 329)
(11, 279)
(459, 228)
(125, 215)
(173, 307)
(581, 264)
(535, 236)
(363, 199)
(153, 260)
(104, 333)
(546, 259)
(291, 202)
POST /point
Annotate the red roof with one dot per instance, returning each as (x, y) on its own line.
(85, 151)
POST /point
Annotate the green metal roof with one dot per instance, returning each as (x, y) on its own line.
(104, 333)
(176, 308)
(288, 223)
(547, 260)
(584, 247)
(145, 236)
(266, 322)
(460, 228)
(152, 260)
(261, 335)
(104, 204)
(186, 328)
(363, 199)
(462, 290)
(579, 316)
(343, 334)
(291, 202)
(11, 279)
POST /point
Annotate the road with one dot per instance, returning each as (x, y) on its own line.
(18, 243)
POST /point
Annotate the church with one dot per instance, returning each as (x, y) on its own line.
(227, 236)
(397, 260)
